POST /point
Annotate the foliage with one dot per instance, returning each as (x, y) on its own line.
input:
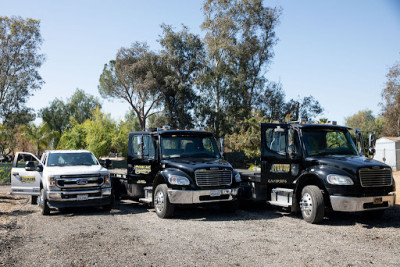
(306, 108)
(391, 102)
(40, 135)
(77, 108)
(365, 121)
(183, 56)
(100, 135)
(5, 173)
(248, 136)
(133, 77)
(20, 42)
(239, 39)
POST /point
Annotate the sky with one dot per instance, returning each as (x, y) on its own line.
(337, 51)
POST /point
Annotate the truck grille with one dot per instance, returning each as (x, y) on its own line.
(79, 181)
(213, 177)
(375, 177)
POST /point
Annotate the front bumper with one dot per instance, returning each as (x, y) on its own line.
(76, 195)
(201, 196)
(353, 204)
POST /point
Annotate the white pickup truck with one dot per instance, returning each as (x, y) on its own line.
(61, 179)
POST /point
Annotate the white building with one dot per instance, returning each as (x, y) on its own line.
(388, 151)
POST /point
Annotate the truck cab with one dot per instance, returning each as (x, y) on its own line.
(167, 167)
(317, 167)
(61, 178)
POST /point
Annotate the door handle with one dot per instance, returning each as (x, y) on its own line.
(15, 173)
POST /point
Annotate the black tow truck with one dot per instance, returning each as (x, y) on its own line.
(168, 167)
(316, 168)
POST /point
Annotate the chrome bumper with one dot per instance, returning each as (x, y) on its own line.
(194, 197)
(58, 195)
(352, 204)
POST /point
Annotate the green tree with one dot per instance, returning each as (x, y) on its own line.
(391, 102)
(247, 136)
(183, 55)
(20, 42)
(306, 108)
(365, 121)
(133, 77)
(39, 136)
(79, 107)
(239, 39)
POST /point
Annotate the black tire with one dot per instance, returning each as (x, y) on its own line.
(164, 209)
(109, 206)
(312, 204)
(34, 200)
(229, 207)
(43, 203)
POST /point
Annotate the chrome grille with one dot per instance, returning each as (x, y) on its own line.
(213, 177)
(79, 181)
(375, 177)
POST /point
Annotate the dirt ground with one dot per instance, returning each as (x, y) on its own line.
(133, 235)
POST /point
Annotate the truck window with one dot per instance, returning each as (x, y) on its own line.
(189, 146)
(148, 147)
(276, 140)
(320, 142)
(71, 159)
(23, 159)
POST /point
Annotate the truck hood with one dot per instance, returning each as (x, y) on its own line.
(349, 164)
(189, 165)
(75, 170)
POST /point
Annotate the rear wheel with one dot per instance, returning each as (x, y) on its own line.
(312, 204)
(163, 207)
(43, 203)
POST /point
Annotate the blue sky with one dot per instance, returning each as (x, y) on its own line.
(337, 51)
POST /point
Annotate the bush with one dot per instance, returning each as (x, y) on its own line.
(5, 172)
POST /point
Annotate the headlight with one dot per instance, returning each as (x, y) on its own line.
(178, 180)
(237, 177)
(339, 179)
(52, 180)
(107, 180)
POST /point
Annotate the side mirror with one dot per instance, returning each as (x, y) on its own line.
(221, 143)
(140, 146)
(30, 166)
(291, 149)
(39, 168)
(371, 140)
(107, 163)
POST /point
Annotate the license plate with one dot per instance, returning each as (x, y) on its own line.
(378, 200)
(215, 193)
(82, 197)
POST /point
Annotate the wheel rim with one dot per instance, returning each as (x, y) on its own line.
(159, 201)
(306, 204)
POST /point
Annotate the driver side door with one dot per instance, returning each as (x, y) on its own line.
(26, 181)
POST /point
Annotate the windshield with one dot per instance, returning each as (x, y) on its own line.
(328, 142)
(72, 159)
(188, 146)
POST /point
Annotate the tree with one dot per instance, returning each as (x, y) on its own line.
(391, 102)
(247, 136)
(20, 42)
(39, 136)
(365, 121)
(306, 108)
(132, 77)
(183, 56)
(79, 107)
(273, 102)
(239, 39)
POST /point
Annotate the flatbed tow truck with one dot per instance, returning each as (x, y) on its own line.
(316, 168)
(168, 167)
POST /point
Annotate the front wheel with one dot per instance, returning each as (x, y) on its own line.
(43, 203)
(163, 207)
(312, 204)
